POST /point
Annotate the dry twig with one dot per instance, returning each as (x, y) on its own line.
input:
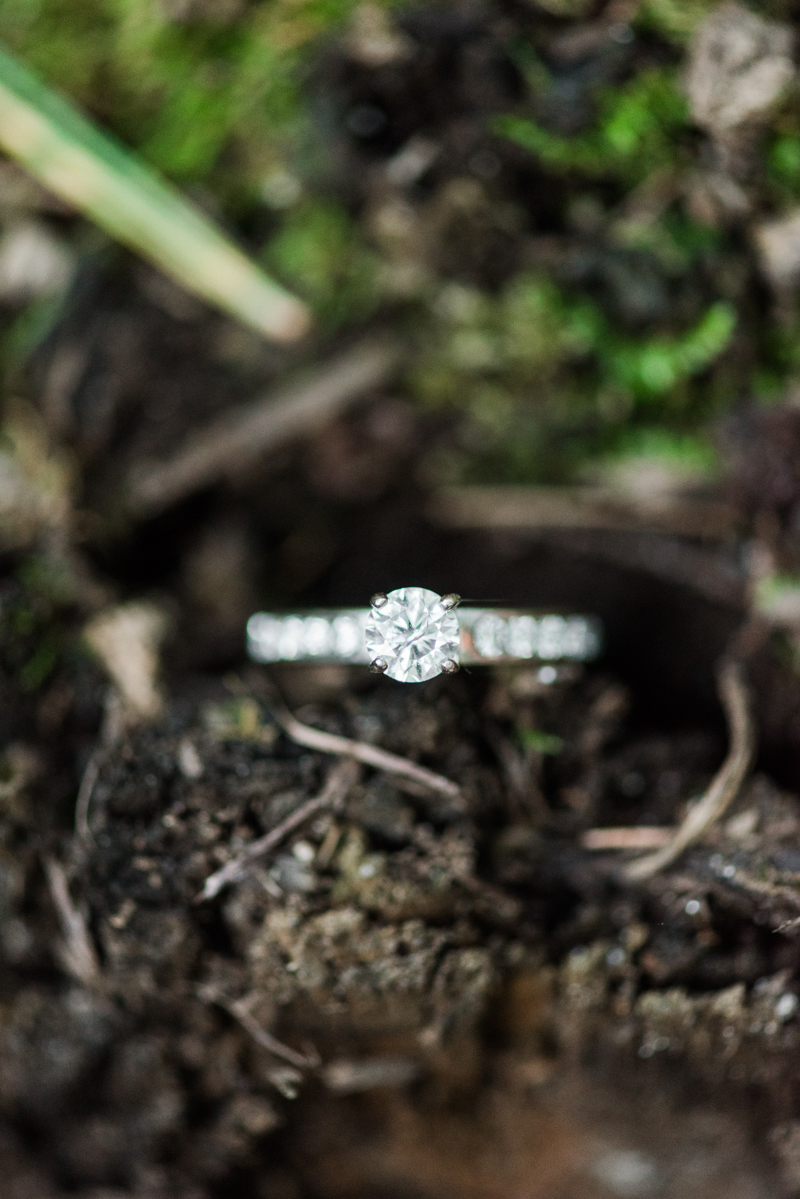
(353, 1076)
(85, 792)
(77, 952)
(724, 786)
(238, 438)
(583, 507)
(672, 559)
(240, 1009)
(339, 782)
(763, 887)
(627, 837)
(603, 526)
(370, 755)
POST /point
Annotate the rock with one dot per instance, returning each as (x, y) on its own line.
(127, 640)
(778, 244)
(33, 263)
(739, 67)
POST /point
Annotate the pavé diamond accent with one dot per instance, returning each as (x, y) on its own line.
(338, 635)
(526, 636)
(415, 633)
(299, 638)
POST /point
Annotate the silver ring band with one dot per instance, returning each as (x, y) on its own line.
(488, 635)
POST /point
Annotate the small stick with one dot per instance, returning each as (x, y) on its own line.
(78, 955)
(628, 837)
(240, 1010)
(233, 441)
(339, 782)
(725, 785)
(370, 755)
(85, 792)
(581, 507)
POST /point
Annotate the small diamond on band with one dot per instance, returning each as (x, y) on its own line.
(412, 634)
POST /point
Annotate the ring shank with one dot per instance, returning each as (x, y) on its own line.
(488, 635)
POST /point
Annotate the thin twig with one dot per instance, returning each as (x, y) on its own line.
(339, 782)
(627, 837)
(672, 559)
(370, 755)
(759, 886)
(77, 952)
(242, 1013)
(240, 1010)
(85, 791)
(582, 507)
(227, 445)
(725, 785)
(574, 523)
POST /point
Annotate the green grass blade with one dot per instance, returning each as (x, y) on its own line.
(100, 178)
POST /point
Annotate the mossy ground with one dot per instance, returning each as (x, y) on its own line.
(550, 259)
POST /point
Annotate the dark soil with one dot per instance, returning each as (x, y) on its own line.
(529, 1003)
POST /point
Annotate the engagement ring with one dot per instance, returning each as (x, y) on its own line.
(413, 634)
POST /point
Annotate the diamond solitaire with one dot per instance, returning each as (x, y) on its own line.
(413, 634)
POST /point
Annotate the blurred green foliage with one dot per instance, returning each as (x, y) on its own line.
(674, 20)
(319, 253)
(637, 131)
(540, 743)
(551, 376)
(546, 380)
(544, 373)
(783, 165)
(32, 624)
(208, 91)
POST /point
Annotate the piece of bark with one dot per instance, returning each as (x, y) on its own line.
(232, 442)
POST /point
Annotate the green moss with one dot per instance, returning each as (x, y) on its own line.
(540, 327)
(41, 664)
(636, 132)
(545, 379)
(534, 328)
(545, 376)
(539, 742)
(185, 93)
(319, 253)
(654, 367)
(676, 242)
(674, 20)
(783, 165)
(34, 618)
(683, 453)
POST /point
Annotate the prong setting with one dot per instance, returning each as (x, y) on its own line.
(379, 600)
(450, 601)
(379, 666)
(450, 666)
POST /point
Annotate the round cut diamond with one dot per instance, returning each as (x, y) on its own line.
(414, 632)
